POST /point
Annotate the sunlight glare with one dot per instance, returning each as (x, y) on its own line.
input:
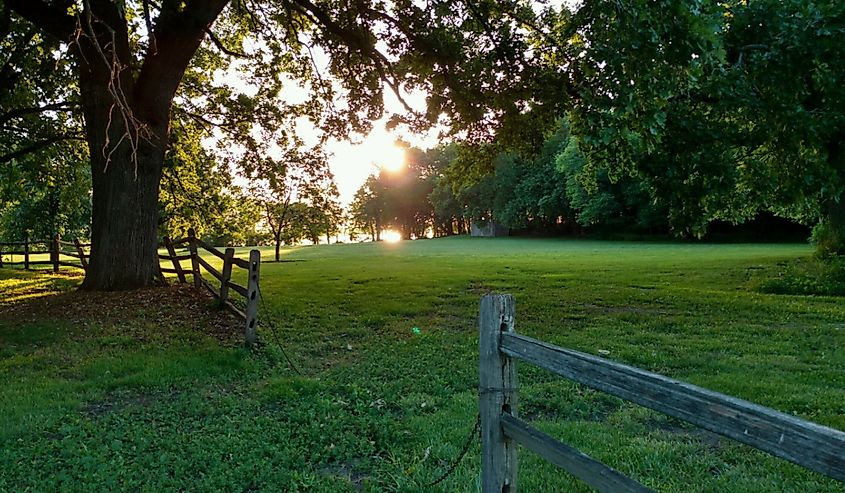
(390, 158)
(391, 236)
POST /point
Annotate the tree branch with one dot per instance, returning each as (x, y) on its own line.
(178, 33)
(19, 112)
(149, 23)
(205, 122)
(52, 19)
(39, 145)
(219, 44)
(359, 43)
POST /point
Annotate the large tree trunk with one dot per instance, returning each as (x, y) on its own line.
(833, 241)
(836, 222)
(126, 134)
(126, 124)
(124, 219)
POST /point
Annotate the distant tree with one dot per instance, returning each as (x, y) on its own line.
(448, 213)
(324, 199)
(195, 185)
(625, 205)
(297, 224)
(552, 191)
(518, 191)
(283, 186)
(398, 199)
(313, 223)
(405, 196)
(367, 209)
(37, 208)
(530, 193)
(478, 200)
(446, 210)
(238, 224)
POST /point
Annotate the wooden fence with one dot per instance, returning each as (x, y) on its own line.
(807, 444)
(224, 277)
(57, 249)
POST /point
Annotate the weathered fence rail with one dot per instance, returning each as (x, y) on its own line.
(58, 249)
(807, 444)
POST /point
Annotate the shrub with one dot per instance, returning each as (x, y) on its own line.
(822, 277)
(829, 240)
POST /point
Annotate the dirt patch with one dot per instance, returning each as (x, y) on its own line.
(178, 307)
(707, 438)
(349, 471)
(115, 404)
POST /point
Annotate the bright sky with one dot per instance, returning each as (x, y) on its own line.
(351, 163)
(352, 160)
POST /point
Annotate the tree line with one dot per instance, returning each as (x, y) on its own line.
(544, 194)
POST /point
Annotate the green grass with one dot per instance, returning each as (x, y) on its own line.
(122, 403)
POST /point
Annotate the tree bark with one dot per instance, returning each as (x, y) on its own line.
(836, 220)
(126, 124)
(126, 146)
(124, 219)
(126, 120)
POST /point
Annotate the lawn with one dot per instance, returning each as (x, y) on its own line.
(153, 392)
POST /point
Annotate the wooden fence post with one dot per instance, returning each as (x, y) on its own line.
(195, 264)
(497, 395)
(252, 296)
(161, 279)
(26, 252)
(226, 275)
(172, 252)
(81, 252)
(55, 253)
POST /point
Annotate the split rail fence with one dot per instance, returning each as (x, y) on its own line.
(28, 254)
(807, 444)
(224, 277)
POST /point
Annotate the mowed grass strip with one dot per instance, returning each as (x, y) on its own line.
(385, 337)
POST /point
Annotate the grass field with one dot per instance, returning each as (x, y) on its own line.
(144, 394)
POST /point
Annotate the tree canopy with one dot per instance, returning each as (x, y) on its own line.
(728, 108)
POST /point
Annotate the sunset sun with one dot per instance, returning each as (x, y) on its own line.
(391, 236)
(390, 158)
